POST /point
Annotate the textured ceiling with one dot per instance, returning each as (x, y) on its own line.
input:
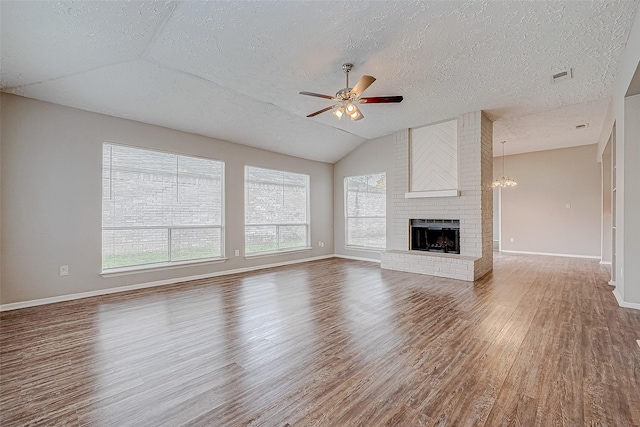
(233, 70)
(550, 129)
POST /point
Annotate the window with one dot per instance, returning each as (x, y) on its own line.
(159, 208)
(275, 210)
(366, 208)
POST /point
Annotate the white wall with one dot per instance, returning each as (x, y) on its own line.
(1, 126)
(373, 156)
(627, 285)
(534, 213)
(606, 204)
(51, 197)
(631, 213)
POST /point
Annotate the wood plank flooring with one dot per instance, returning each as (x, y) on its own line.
(539, 342)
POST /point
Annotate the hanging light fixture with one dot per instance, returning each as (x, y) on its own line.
(355, 114)
(504, 181)
(349, 97)
(350, 109)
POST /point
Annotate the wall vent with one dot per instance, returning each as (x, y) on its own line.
(562, 75)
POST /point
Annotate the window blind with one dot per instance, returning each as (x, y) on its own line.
(366, 210)
(159, 208)
(276, 210)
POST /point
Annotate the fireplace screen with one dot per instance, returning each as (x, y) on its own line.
(435, 235)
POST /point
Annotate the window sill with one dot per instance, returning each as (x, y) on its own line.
(364, 249)
(158, 267)
(274, 253)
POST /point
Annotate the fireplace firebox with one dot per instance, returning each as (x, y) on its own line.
(435, 235)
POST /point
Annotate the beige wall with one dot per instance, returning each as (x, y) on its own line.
(51, 197)
(534, 213)
(373, 156)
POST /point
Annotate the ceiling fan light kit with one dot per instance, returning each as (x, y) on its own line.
(348, 97)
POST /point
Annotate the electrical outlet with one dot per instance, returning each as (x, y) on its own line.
(321, 244)
(512, 240)
(64, 270)
(237, 253)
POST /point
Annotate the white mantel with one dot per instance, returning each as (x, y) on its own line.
(429, 194)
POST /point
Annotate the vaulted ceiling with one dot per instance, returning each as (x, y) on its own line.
(233, 69)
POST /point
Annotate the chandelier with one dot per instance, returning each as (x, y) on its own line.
(504, 181)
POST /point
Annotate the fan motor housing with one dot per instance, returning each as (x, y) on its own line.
(344, 94)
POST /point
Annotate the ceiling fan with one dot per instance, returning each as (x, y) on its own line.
(348, 97)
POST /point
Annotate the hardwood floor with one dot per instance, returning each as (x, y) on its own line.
(540, 341)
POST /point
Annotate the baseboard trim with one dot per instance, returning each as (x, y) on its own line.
(623, 303)
(356, 258)
(70, 297)
(551, 254)
(605, 262)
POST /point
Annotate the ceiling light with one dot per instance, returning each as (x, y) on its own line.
(504, 181)
(356, 115)
(350, 107)
(339, 112)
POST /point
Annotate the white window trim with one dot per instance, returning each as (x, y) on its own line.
(307, 219)
(346, 217)
(144, 268)
(147, 268)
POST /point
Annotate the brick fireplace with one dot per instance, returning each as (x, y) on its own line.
(472, 206)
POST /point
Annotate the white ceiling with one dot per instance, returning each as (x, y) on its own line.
(232, 70)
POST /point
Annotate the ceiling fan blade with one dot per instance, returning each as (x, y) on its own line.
(322, 111)
(318, 95)
(362, 85)
(380, 99)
